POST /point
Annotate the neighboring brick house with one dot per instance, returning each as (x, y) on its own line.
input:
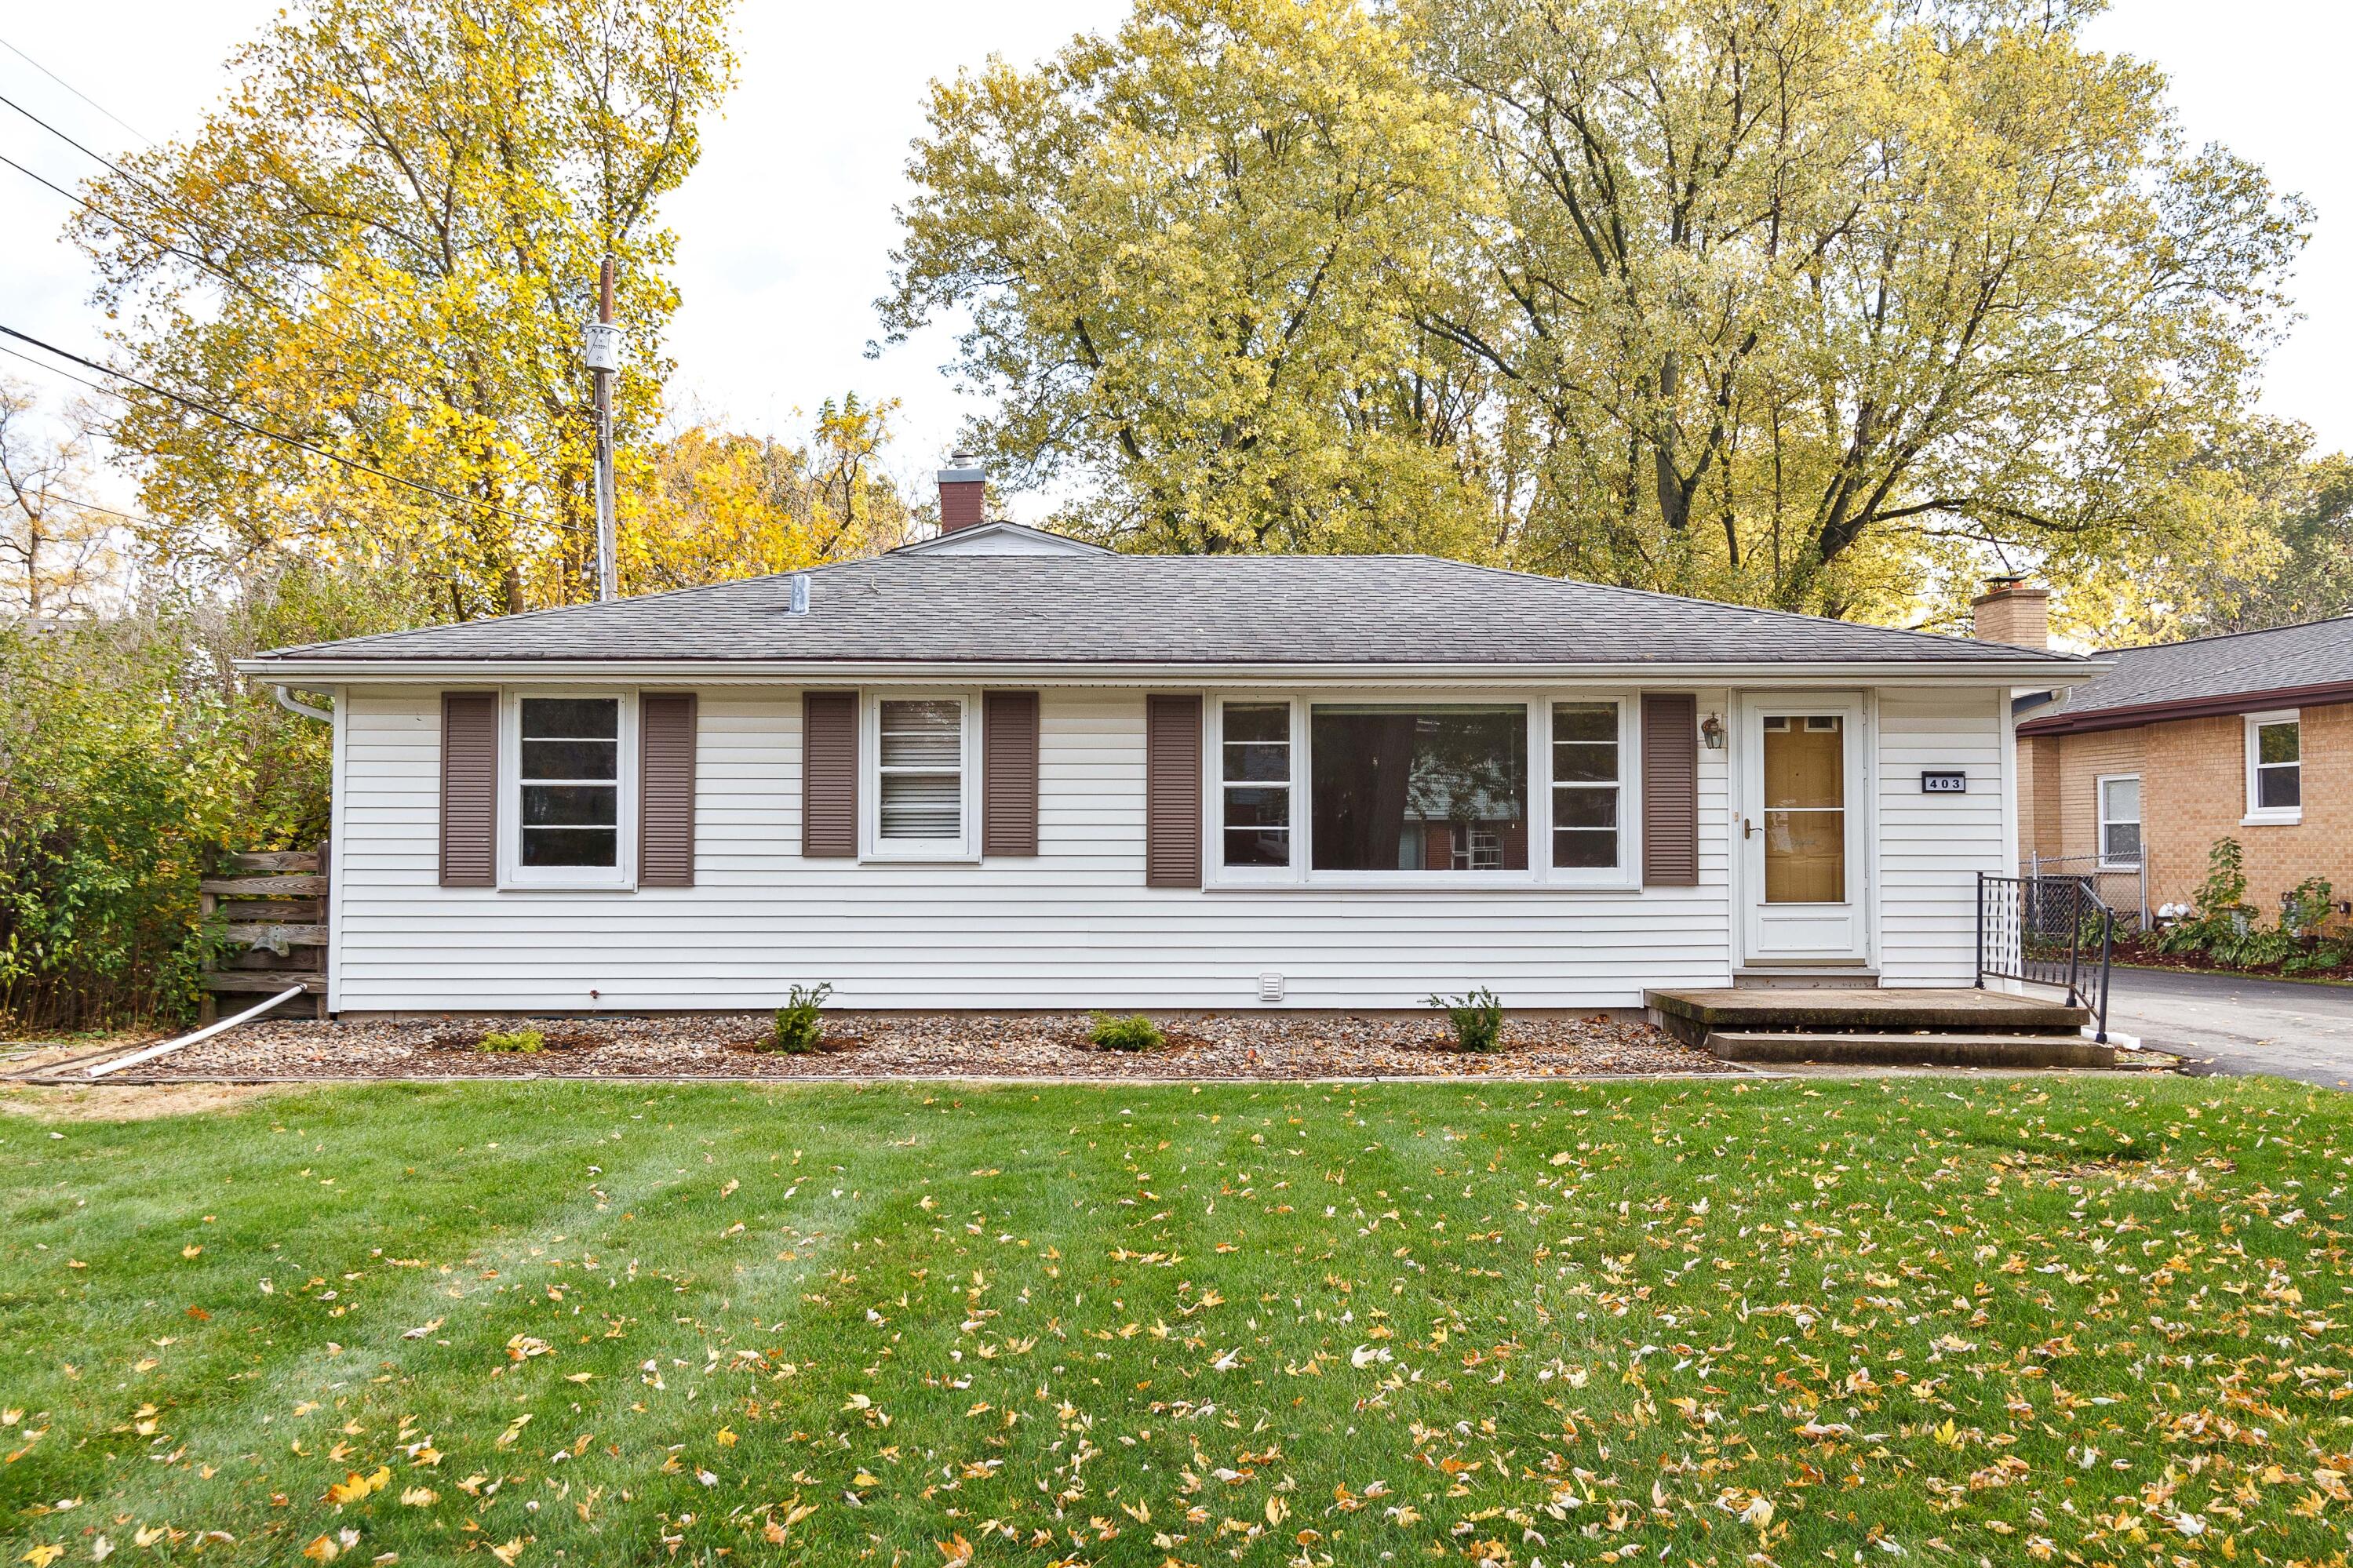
(2248, 736)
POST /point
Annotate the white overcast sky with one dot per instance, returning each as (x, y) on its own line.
(785, 228)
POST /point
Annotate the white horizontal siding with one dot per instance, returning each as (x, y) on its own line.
(1932, 846)
(1074, 927)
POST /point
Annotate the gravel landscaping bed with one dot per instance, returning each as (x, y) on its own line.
(1046, 1046)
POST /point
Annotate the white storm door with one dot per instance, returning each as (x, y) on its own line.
(1804, 790)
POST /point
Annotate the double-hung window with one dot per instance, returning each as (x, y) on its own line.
(1586, 782)
(2119, 821)
(569, 791)
(2275, 767)
(1254, 788)
(923, 749)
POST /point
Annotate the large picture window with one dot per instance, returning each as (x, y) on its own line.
(2275, 767)
(1432, 787)
(570, 782)
(1254, 785)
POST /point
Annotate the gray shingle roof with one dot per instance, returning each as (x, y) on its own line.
(1184, 609)
(2242, 664)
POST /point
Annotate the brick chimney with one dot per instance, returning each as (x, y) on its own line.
(2011, 611)
(964, 484)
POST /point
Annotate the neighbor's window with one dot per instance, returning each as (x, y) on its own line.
(1584, 785)
(2275, 767)
(2120, 820)
(1254, 783)
(1436, 787)
(570, 773)
(919, 758)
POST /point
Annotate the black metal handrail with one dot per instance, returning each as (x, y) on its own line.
(2045, 931)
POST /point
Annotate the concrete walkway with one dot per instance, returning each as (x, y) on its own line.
(2226, 1024)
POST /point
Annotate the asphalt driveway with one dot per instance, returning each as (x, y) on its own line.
(2228, 1024)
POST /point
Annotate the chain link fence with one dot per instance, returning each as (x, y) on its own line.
(2123, 887)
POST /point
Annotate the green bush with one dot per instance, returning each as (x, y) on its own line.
(800, 1022)
(2224, 915)
(131, 755)
(1133, 1033)
(1476, 1017)
(517, 1042)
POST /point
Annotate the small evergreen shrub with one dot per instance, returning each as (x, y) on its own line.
(800, 1022)
(517, 1042)
(1133, 1033)
(1476, 1017)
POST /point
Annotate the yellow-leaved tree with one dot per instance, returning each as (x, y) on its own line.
(706, 504)
(385, 243)
(1183, 250)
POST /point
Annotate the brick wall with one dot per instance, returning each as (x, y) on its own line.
(2193, 791)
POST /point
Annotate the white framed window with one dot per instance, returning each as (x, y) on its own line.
(1588, 810)
(920, 796)
(2119, 805)
(2275, 767)
(568, 790)
(1333, 790)
(1253, 816)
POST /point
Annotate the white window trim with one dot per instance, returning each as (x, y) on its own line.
(2273, 816)
(965, 848)
(512, 872)
(1213, 806)
(1625, 876)
(2100, 820)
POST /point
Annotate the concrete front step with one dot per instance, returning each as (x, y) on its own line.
(1692, 1014)
(1940, 1051)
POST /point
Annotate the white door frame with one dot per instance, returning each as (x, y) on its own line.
(1821, 933)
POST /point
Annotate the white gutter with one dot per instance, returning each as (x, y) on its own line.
(286, 700)
(207, 1033)
(2021, 671)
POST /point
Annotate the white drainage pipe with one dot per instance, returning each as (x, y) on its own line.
(207, 1033)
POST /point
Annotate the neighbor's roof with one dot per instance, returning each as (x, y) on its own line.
(2240, 672)
(917, 609)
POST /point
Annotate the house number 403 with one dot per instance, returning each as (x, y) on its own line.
(1943, 781)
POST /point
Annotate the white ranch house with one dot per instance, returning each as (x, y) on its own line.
(1004, 770)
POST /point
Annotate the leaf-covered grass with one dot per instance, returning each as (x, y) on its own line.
(1928, 1320)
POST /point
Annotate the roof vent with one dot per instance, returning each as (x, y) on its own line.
(797, 587)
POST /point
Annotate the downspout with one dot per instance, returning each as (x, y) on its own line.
(286, 700)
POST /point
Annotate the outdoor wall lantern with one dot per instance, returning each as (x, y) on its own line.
(1711, 731)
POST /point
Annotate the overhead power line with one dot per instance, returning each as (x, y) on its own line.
(246, 425)
(75, 90)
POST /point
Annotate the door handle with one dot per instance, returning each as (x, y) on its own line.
(1747, 828)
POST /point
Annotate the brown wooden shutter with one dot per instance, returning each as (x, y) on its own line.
(1669, 790)
(469, 789)
(829, 775)
(1008, 779)
(666, 789)
(1172, 791)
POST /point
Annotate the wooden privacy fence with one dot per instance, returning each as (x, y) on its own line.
(271, 910)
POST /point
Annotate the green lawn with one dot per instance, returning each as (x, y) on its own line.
(2097, 1321)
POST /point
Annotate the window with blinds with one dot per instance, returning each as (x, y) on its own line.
(919, 772)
